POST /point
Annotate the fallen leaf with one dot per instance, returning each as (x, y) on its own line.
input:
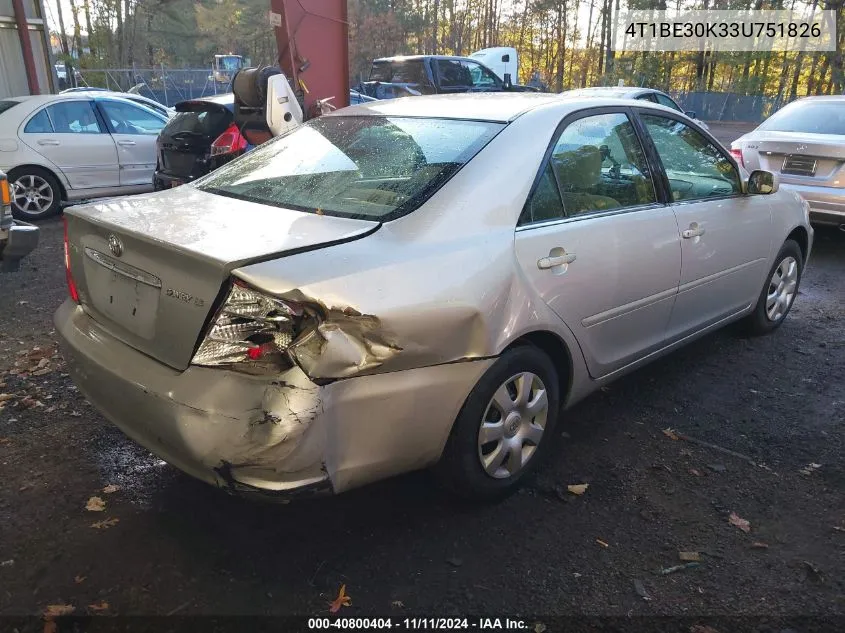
(673, 569)
(577, 489)
(56, 610)
(739, 522)
(5, 440)
(839, 528)
(695, 472)
(342, 600)
(689, 556)
(602, 543)
(6, 396)
(42, 363)
(95, 504)
(105, 524)
(102, 605)
(670, 433)
(79, 579)
(539, 627)
(809, 469)
(398, 604)
(110, 489)
(759, 545)
(41, 372)
(640, 589)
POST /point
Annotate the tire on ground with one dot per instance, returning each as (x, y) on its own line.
(55, 190)
(758, 322)
(460, 469)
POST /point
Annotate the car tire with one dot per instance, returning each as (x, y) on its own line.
(36, 193)
(779, 291)
(500, 407)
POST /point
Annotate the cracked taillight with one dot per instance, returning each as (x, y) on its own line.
(251, 331)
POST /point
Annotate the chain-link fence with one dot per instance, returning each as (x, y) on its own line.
(172, 85)
(730, 106)
(166, 85)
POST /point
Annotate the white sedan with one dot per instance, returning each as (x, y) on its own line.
(58, 148)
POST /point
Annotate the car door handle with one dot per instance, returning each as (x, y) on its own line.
(48, 141)
(694, 230)
(555, 260)
(127, 143)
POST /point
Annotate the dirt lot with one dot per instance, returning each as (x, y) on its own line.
(174, 545)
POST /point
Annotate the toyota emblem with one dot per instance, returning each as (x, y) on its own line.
(115, 245)
(800, 148)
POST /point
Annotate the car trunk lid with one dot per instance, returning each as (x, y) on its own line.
(185, 142)
(150, 268)
(799, 157)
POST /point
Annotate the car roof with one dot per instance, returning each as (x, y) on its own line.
(405, 58)
(609, 91)
(480, 106)
(489, 106)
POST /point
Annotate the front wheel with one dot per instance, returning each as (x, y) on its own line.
(779, 291)
(504, 428)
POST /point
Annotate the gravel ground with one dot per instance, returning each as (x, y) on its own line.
(170, 544)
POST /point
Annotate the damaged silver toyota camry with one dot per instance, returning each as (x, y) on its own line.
(414, 283)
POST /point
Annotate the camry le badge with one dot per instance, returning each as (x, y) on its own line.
(800, 148)
(115, 245)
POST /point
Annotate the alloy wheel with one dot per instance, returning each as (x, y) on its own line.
(513, 425)
(32, 195)
(782, 288)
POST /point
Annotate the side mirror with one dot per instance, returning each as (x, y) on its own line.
(762, 182)
(691, 114)
(508, 84)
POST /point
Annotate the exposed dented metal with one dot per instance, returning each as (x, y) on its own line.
(340, 342)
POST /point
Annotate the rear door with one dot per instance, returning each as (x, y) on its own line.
(73, 137)
(597, 243)
(184, 144)
(725, 234)
(134, 130)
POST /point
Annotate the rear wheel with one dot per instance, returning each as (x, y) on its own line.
(504, 428)
(779, 291)
(35, 193)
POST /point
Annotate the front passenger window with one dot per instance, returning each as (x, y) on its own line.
(695, 167)
(600, 165)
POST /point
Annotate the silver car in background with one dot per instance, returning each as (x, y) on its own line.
(804, 144)
(414, 283)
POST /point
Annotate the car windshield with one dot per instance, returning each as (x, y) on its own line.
(209, 122)
(813, 117)
(5, 105)
(366, 167)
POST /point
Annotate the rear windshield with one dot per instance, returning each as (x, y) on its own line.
(819, 117)
(5, 105)
(208, 123)
(409, 71)
(375, 168)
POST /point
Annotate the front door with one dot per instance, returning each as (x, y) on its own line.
(725, 234)
(134, 130)
(597, 245)
(70, 136)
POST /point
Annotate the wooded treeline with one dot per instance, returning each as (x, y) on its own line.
(565, 42)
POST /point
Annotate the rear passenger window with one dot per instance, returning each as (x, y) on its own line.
(600, 165)
(544, 204)
(39, 124)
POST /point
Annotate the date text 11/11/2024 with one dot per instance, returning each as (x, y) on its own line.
(432, 624)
